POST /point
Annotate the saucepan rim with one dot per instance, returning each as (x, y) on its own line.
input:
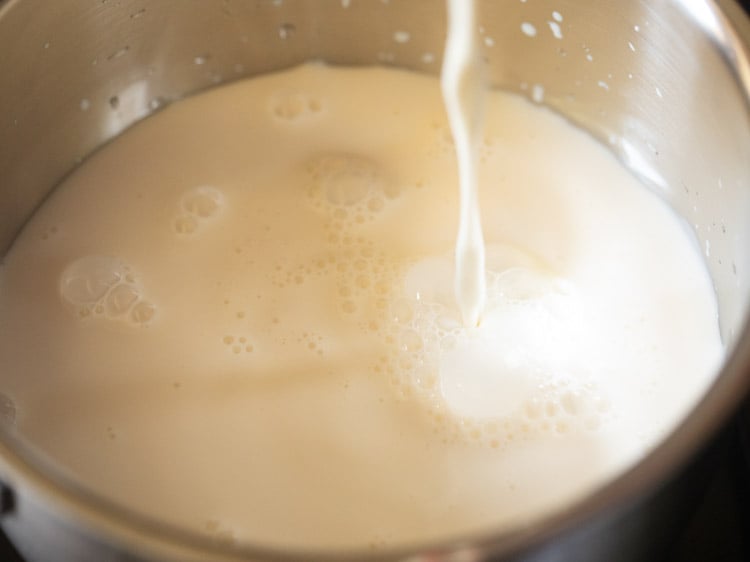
(28, 472)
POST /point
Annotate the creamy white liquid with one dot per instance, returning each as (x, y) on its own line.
(240, 317)
(463, 89)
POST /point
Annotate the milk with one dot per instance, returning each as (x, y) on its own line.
(463, 93)
(240, 316)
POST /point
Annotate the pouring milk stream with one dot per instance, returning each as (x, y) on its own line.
(463, 91)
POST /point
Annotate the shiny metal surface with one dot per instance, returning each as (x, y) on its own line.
(664, 84)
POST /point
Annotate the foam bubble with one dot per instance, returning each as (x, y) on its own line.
(121, 299)
(349, 186)
(574, 405)
(197, 205)
(86, 281)
(143, 312)
(347, 179)
(104, 287)
(238, 344)
(295, 106)
(202, 202)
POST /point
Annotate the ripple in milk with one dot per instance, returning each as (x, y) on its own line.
(244, 319)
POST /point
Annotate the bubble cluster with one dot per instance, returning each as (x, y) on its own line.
(350, 188)
(419, 327)
(357, 271)
(295, 106)
(238, 344)
(563, 405)
(364, 283)
(197, 205)
(295, 275)
(105, 287)
(312, 342)
(350, 192)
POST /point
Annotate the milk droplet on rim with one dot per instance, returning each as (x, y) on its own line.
(528, 29)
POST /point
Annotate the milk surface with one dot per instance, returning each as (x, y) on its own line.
(240, 316)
